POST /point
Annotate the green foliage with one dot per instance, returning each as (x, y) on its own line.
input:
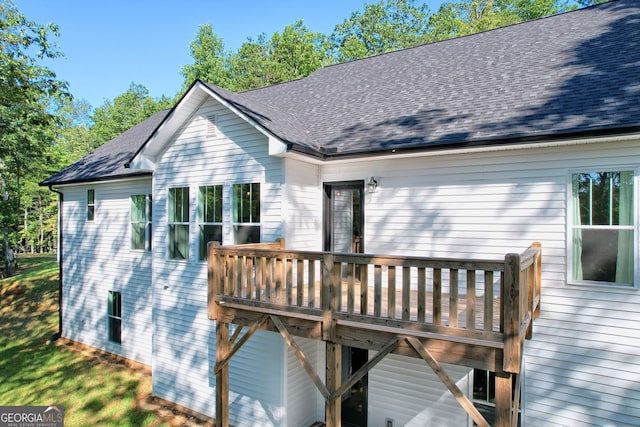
(27, 90)
(295, 53)
(471, 16)
(383, 27)
(124, 112)
(210, 61)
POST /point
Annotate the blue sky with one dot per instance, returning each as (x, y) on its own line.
(110, 44)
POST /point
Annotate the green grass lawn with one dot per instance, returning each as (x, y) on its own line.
(36, 371)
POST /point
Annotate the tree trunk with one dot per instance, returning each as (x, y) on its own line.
(8, 258)
(41, 223)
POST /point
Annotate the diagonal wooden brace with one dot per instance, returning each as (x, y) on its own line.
(447, 381)
(254, 327)
(300, 355)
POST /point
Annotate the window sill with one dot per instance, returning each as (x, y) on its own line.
(601, 285)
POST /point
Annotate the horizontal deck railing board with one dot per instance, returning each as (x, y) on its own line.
(483, 296)
(445, 333)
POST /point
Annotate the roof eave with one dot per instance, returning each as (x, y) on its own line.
(496, 143)
(119, 177)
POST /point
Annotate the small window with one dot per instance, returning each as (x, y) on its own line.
(115, 317)
(246, 213)
(212, 127)
(602, 228)
(179, 223)
(141, 222)
(209, 217)
(91, 205)
(484, 394)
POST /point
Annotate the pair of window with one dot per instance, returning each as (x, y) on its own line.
(602, 247)
(245, 217)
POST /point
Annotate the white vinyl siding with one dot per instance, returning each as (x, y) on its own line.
(583, 361)
(97, 259)
(184, 340)
(303, 206)
(305, 404)
(407, 391)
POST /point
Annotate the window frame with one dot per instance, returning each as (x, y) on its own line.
(571, 227)
(114, 316)
(146, 222)
(203, 216)
(181, 222)
(238, 224)
(91, 204)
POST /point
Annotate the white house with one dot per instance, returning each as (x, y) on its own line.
(478, 147)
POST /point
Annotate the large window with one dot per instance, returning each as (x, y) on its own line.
(179, 223)
(114, 312)
(246, 213)
(91, 205)
(141, 222)
(602, 227)
(209, 216)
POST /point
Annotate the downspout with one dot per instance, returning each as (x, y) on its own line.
(60, 235)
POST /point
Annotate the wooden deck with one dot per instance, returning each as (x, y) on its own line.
(468, 312)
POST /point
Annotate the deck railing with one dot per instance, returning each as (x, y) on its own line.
(469, 299)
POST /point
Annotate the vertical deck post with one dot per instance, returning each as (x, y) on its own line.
(222, 377)
(511, 313)
(503, 399)
(213, 278)
(333, 408)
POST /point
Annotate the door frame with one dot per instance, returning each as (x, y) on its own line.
(327, 236)
(327, 216)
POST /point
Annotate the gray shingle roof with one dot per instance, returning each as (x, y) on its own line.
(108, 161)
(561, 75)
(572, 74)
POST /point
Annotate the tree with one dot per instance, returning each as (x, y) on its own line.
(210, 60)
(295, 53)
(125, 111)
(251, 67)
(472, 16)
(383, 27)
(26, 93)
(298, 51)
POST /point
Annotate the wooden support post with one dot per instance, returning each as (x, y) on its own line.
(534, 288)
(213, 278)
(222, 375)
(327, 276)
(511, 315)
(333, 407)
(503, 399)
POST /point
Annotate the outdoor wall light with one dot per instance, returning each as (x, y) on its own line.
(372, 184)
